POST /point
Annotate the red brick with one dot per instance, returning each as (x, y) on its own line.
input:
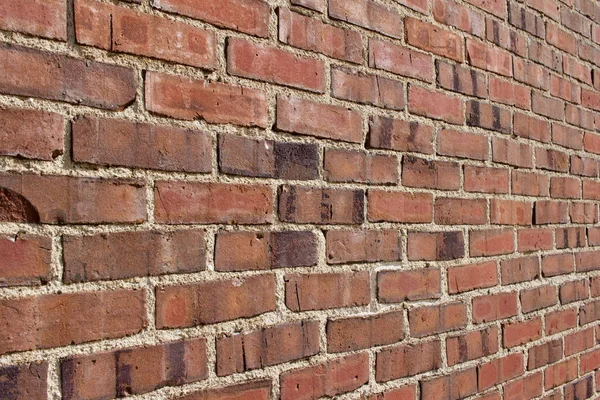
(395, 134)
(510, 212)
(56, 320)
(329, 378)
(473, 276)
(530, 184)
(457, 211)
(570, 238)
(305, 117)
(218, 103)
(462, 144)
(494, 307)
(100, 375)
(491, 242)
(354, 166)
(254, 20)
(561, 373)
(460, 79)
(31, 134)
(255, 390)
(574, 291)
(565, 89)
(121, 255)
(33, 73)
(528, 387)
(214, 301)
(547, 7)
(593, 235)
(557, 264)
(591, 190)
(560, 38)
(271, 64)
(531, 128)
(512, 153)
(400, 60)
(541, 53)
(584, 166)
(120, 29)
(490, 58)
(433, 39)
(590, 99)
(560, 321)
(398, 286)
(435, 246)
(567, 137)
(62, 199)
(565, 188)
(362, 246)
(457, 385)
(583, 213)
(367, 89)
(407, 360)
(201, 202)
(367, 14)
(487, 116)
(316, 5)
(431, 320)
(579, 341)
(435, 105)
(587, 261)
(244, 251)
(451, 13)
(544, 354)
(547, 106)
(522, 332)
(534, 239)
(550, 212)
(531, 74)
(518, 270)
(472, 345)
(404, 393)
(510, 93)
(577, 70)
(591, 142)
(325, 291)
(34, 17)
(575, 21)
(268, 346)
(25, 260)
(239, 155)
(589, 312)
(311, 34)
(551, 160)
(25, 381)
(581, 389)
(579, 117)
(423, 173)
(538, 298)
(526, 20)
(496, 7)
(108, 142)
(486, 180)
(509, 39)
(358, 333)
(304, 205)
(499, 370)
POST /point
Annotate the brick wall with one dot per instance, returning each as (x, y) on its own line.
(296, 199)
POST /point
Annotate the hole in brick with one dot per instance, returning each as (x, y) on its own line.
(16, 208)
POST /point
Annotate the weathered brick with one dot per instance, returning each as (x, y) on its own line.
(490, 58)
(121, 255)
(435, 105)
(245, 251)
(521, 269)
(473, 276)
(521, 332)
(494, 307)
(430, 320)
(472, 345)
(457, 385)
(435, 246)
(325, 291)
(433, 39)
(25, 260)
(423, 173)
(399, 286)
(55, 320)
(219, 103)
(200, 202)
(214, 301)
(487, 116)
(348, 246)
(462, 144)
(25, 381)
(34, 73)
(354, 166)
(367, 14)
(486, 180)
(491, 242)
(407, 360)
(460, 79)
(394, 134)
(356, 333)
(457, 211)
(108, 142)
(400, 60)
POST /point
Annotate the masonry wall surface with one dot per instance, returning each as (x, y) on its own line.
(297, 199)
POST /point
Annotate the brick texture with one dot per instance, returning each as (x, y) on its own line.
(300, 199)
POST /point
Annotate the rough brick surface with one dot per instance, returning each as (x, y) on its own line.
(300, 199)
